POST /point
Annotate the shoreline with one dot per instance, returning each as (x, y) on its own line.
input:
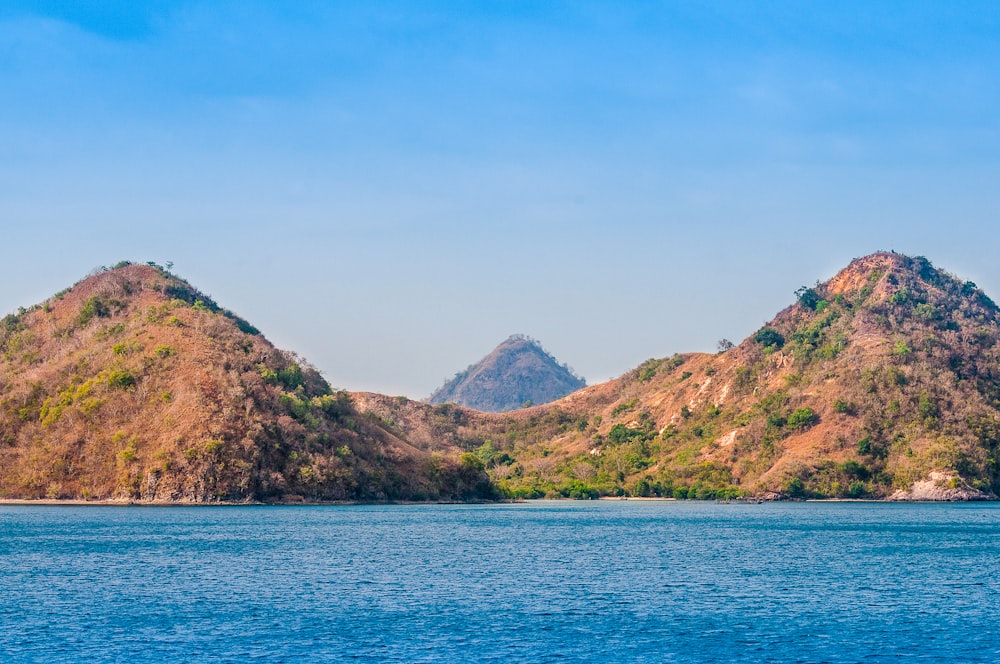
(76, 502)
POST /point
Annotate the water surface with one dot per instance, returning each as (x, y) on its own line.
(533, 582)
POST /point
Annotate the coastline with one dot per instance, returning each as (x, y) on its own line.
(76, 502)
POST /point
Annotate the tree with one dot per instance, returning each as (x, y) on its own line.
(769, 338)
(724, 344)
(808, 297)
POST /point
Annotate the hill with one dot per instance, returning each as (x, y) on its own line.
(133, 385)
(883, 382)
(517, 373)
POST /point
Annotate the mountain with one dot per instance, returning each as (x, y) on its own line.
(133, 385)
(883, 382)
(517, 373)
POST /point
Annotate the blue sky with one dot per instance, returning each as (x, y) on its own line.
(391, 189)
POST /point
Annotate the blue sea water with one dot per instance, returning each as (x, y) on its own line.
(533, 582)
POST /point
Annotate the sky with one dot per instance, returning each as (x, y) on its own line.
(391, 189)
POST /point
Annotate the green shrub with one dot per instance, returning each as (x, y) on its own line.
(769, 338)
(577, 490)
(642, 488)
(620, 434)
(182, 292)
(291, 376)
(843, 406)
(245, 327)
(269, 375)
(128, 454)
(94, 307)
(298, 408)
(794, 488)
(121, 379)
(777, 420)
(624, 407)
(809, 298)
(854, 470)
(335, 405)
(648, 369)
(802, 418)
(902, 296)
(113, 331)
(926, 406)
(470, 461)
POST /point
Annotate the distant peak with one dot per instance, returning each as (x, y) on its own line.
(517, 372)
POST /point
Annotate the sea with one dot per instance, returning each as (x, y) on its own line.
(546, 581)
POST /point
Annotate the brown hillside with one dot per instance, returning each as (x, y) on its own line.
(881, 382)
(133, 385)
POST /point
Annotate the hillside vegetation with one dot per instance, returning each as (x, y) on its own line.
(516, 374)
(882, 382)
(133, 385)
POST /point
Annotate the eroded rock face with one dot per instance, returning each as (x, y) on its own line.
(939, 487)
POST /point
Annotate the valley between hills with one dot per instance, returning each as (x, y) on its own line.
(881, 383)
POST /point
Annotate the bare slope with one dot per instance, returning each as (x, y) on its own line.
(882, 382)
(517, 373)
(133, 385)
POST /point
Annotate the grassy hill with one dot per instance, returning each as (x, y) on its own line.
(133, 385)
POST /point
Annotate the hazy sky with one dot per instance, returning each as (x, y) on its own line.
(391, 189)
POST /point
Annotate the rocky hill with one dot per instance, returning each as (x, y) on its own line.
(518, 373)
(133, 385)
(883, 382)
